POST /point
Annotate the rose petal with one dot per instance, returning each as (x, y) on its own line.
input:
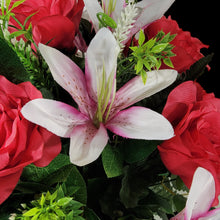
(52, 147)
(8, 183)
(140, 123)
(87, 143)
(57, 117)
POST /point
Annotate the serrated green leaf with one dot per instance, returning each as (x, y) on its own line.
(112, 161)
(31, 212)
(159, 48)
(141, 38)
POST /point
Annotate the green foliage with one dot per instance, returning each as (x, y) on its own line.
(149, 55)
(61, 171)
(52, 206)
(6, 11)
(11, 66)
(106, 21)
(112, 161)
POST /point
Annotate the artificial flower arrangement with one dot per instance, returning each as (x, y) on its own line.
(101, 114)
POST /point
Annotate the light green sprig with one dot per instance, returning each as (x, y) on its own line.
(148, 56)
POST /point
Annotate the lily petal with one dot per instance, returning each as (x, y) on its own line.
(87, 143)
(212, 215)
(101, 62)
(57, 117)
(141, 123)
(151, 11)
(201, 194)
(119, 5)
(135, 90)
(68, 75)
(93, 7)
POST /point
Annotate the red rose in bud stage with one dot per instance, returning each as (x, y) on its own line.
(195, 116)
(21, 142)
(187, 48)
(53, 21)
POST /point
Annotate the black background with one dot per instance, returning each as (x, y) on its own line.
(201, 18)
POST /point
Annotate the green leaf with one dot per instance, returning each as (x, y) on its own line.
(90, 214)
(10, 64)
(138, 150)
(75, 179)
(141, 38)
(16, 34)
(149, 44)
(144, 76)
(42, 200)
(31, 212)
(112, 161)
(64, 201)
(105, 20)
(159, 48)
(59, 212)
(179, 202)
(36, 174)
(16, 4)
(139, 66)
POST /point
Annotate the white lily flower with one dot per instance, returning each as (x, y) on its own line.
(148, 11)
(100, 106)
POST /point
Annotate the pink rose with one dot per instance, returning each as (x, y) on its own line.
(195, 116)
(21, 142)
(54, 21)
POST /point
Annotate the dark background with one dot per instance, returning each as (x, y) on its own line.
(201, 18)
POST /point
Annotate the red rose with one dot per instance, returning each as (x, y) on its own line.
(21, 142)
(187, 48)
(195, 116)
(54, 21)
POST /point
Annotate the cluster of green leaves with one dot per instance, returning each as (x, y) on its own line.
(6, 13)
(149, 55)
(52, 207)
